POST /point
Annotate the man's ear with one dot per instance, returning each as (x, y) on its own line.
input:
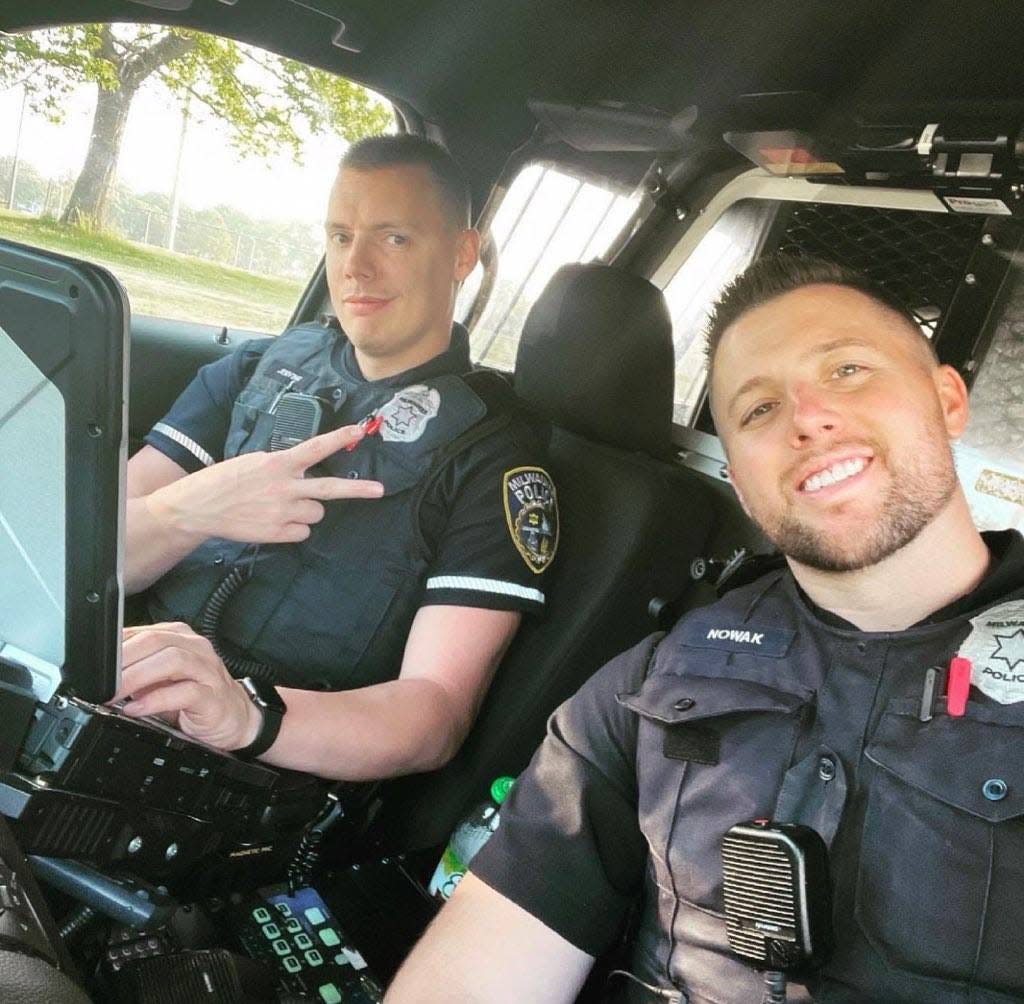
(953, 399)
(467, 253)
(739, 494)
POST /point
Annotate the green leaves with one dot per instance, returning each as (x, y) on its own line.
(268, 103)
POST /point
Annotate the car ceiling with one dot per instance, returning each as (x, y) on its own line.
(471, 66)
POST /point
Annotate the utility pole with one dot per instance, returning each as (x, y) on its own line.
(17, 150)
(172, 226)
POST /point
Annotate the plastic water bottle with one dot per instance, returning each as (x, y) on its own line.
(468, 837)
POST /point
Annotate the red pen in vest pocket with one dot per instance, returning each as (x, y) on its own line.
(370, 425)
(958, 685)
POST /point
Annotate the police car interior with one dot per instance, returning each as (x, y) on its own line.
(890, 137)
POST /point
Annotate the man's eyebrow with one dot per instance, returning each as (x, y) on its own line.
(817, 350)
(383, 225)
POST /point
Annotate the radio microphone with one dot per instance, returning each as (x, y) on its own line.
(778, 899)
(296, 419)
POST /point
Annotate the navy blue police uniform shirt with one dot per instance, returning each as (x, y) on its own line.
(471, 523)
(763, 705)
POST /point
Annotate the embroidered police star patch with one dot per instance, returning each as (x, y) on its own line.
(531, 511)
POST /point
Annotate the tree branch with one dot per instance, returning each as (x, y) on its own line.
(169, 48)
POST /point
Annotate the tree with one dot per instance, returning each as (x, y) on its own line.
(264, 99)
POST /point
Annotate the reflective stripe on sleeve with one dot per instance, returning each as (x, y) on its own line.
(182, 440)
(478, 585)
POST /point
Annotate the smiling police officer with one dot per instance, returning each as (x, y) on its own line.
(380, 594)
(814, 695)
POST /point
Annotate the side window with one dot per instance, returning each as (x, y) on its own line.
(202, 187)
(547, 219)
(722, 253)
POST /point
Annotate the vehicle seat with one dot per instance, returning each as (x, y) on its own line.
(595, 361)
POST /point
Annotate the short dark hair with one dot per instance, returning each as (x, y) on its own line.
(405, 149)
(776, 274)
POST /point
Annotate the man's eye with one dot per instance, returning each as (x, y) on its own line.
(758, 411)
(847, 369)
(338, 238)
(397, 240)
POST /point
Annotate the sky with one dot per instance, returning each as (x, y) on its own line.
(212, 173)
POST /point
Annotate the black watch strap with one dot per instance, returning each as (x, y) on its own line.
(272, 708)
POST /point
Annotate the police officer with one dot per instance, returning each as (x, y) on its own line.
(359, 520)
(805, 696)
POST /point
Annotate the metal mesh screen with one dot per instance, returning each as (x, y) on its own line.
(919, 257)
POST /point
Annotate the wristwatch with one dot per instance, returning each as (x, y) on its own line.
(265, 696)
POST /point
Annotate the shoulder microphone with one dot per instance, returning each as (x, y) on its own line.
(296, 418)
(778, 899)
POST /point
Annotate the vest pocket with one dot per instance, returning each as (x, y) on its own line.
(251, 421)
(942, 855)
(711, 752)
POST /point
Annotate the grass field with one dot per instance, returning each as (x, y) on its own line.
(165, 284)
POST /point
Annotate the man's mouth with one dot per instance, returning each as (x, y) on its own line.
(360, 306)
(834, 474)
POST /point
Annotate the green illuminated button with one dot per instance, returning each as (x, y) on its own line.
(284, 909)
(292, 964)
(303, 941)
(271, 931)
(260, 915)
(330, 994)
(314, 958)
(340, 960)
(330, 937)
(281, 947)
(315, 915)
(292, 926)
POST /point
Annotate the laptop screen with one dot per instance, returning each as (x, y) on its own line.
(63, 339)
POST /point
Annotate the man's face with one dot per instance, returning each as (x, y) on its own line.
(836, 423)
(393, 261)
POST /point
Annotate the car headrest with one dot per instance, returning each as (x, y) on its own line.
(595, 357)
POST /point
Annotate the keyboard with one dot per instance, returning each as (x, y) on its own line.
(299, 936)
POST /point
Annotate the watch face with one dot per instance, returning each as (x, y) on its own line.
(264, 694)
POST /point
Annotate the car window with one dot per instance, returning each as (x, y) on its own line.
(725, 251)
(206, 197)
(547, 219)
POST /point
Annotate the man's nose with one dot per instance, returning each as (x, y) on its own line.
(359, 259)
(813, 415)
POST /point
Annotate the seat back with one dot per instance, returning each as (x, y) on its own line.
(595, 361)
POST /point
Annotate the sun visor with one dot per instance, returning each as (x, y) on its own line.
(63, 353)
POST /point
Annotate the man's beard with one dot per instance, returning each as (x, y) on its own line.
(916, 495)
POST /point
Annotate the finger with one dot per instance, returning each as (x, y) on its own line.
(314, 450)
(306, 511)
(132, 630)
(166, 665)
(144, 643)
(291, 533)
(338, 488)
(186, 695)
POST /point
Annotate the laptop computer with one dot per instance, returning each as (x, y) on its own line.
(79, 779)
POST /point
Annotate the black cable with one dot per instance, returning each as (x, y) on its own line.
(209, 624)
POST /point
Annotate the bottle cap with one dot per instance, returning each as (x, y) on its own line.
(500, 788)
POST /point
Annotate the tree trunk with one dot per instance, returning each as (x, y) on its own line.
(88, 203)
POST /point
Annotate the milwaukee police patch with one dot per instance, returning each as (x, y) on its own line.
(531, 511)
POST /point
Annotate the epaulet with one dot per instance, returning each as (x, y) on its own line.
(493, 388)
(748, 569)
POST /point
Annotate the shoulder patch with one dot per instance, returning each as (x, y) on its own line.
(531, 512)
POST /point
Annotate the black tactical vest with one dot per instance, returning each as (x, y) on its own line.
(333, 612)
(754, 708)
